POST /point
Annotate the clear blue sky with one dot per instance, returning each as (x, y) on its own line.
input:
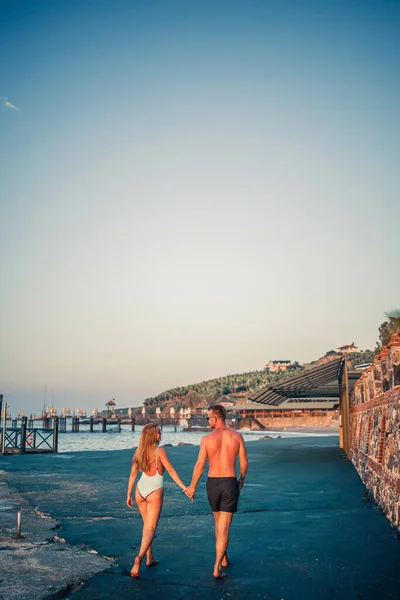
(190, 189)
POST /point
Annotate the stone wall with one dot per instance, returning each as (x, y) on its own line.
(329, 419)
(375, 429)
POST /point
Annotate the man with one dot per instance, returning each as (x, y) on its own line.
(221, 448)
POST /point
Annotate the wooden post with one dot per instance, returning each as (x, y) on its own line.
(23, 435)
(119, 423)
(55, 434)
(14, 423)
(133, 423)
(104, 424)
(161, 423)
(175, 425)
(30, 423)
(18, 536)
(91, 423)
(189, 422)
(3, 431)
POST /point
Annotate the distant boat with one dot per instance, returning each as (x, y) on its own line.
(362, 366)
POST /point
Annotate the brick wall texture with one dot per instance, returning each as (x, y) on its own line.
(375, 429)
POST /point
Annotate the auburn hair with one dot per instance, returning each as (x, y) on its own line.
(144, 454)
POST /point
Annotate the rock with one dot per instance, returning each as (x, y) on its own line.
(266, 437)
(184, 444)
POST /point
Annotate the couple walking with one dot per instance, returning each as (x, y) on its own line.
(221, 448)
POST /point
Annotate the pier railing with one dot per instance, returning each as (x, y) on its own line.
(27, 440)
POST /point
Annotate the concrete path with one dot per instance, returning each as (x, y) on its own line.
(303, 530)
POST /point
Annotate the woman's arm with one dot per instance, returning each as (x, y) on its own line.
(170, 469)
(131, 483)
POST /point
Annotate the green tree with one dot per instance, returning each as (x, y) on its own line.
(388, 328)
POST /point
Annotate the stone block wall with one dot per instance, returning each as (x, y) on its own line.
(375, 429)
(329, 419)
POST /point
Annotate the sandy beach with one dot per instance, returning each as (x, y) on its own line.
(303, 529)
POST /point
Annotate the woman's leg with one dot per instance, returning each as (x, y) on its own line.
(142, 506)
(150, 510)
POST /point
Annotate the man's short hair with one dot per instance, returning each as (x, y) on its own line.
(219, 411)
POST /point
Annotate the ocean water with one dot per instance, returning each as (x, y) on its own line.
(113, 439)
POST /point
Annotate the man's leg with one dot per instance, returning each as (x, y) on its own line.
(225, 560)
(224, 523)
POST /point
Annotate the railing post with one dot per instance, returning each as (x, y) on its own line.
(133, 423)
(91, 423)
(55, 434)
(23, 435)
(3, 431)
(104, 424)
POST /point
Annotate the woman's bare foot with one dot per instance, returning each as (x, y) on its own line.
(225, 561)
(136, 567)
(151, 563)
(218, 574)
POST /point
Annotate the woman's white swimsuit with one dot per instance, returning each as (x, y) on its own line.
(148, 484)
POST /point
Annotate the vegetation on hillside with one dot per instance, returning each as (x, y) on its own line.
(208, 392)
(244, 384)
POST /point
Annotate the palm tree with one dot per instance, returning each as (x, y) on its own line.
(394, 319)
(388, 328)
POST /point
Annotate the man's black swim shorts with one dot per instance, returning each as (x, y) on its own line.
(223, 493)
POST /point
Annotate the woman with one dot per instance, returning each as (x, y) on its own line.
(152, 461)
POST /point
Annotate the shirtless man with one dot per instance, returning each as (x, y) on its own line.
(221, 448)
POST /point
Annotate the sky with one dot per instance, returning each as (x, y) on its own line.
(190, 189)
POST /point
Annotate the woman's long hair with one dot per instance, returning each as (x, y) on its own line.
(144, 454)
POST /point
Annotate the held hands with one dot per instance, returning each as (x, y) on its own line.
(189, 491)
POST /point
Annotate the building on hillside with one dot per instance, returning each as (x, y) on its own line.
(277, 365)
(347, 348)
(226, 402)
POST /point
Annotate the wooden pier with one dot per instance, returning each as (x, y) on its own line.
(26, 439)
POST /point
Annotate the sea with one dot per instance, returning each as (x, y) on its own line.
(112, 439)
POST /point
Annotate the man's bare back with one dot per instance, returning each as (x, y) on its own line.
(222, 447)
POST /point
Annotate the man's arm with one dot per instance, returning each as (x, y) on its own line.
(198, 469)
(244, 463)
